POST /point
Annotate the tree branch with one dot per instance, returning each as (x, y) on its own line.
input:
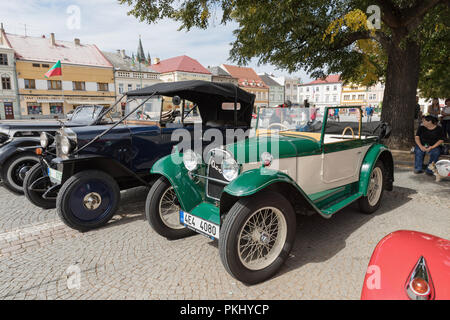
(414, 15)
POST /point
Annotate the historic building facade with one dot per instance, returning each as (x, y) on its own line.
(276, 90)
(322, 93)
(87, 76)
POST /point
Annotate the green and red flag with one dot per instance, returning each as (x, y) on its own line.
(56, 70)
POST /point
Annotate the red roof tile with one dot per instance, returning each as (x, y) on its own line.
(181, 63)
(333, 78)
(247, 76)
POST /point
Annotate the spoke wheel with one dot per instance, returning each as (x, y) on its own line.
(262, 238)
(15, 170)
(162, 210)
(372, 201)
(35, 185)
(256, 236)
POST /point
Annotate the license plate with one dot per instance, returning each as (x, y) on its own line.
(55, 175)
(200, 225)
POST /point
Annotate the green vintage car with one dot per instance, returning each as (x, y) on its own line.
(248, 194)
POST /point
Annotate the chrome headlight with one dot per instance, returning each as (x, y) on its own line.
(191, 160)
(65, 145)
(230, 168)
(44, 140)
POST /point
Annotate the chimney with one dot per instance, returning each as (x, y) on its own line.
(52, 39)
(156, 61)
(122, 53)
(77, 42)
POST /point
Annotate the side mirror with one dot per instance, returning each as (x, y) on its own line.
(176, 100)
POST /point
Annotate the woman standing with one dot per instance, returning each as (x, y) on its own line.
(446, 118)
(429, 138)
(434, 109)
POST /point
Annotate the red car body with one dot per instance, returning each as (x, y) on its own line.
(391, 267)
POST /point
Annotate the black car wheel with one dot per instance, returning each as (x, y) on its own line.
(256, 237)
(15, 169)
(35, 184)
(88, 200)
(370, 203)
(162, 210)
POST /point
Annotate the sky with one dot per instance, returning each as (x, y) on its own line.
(106, 24)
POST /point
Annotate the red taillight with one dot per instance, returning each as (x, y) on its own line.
(419, 285)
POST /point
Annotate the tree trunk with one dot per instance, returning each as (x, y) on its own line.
(399, 102)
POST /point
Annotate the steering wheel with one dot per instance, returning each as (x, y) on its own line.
(282, 126)
(345, 130)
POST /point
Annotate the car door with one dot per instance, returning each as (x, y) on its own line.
(343, 150)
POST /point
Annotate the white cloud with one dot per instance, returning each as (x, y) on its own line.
(106, 24)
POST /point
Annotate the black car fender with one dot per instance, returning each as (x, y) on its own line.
(18, 145)
(113, 167)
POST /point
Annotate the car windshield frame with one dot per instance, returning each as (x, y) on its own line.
(96, 113)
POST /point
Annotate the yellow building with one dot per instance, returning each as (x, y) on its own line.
(87, 76)
(353, 95)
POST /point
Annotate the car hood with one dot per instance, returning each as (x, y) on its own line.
(397, 254)
(12, 126)
(279, 146)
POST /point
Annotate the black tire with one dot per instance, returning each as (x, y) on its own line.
(230, 237)
(70, 203)
(35, 197)
(366, 204)
(154, 217)
(14, 170)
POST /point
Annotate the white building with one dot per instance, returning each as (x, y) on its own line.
(9, 107)
(322, 93)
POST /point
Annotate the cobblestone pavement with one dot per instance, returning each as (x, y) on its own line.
(127, 260)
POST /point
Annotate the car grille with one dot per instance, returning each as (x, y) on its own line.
(216, 182)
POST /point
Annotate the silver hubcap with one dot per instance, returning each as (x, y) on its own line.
(169, 209)
(262, 238)
(375, 186)
(92, 201)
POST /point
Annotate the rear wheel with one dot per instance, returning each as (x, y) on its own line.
(35, 184)
(162, 210)
(370, 203)
(88, 200)
(14, 170)
(256, 237)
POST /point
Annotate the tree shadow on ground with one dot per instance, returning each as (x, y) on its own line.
(318, 239)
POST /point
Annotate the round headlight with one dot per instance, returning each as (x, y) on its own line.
(191, 160)
(65, 145)
(230, 168)
(266, 159)
(44, 140)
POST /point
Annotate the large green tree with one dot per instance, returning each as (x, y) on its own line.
(333, 36)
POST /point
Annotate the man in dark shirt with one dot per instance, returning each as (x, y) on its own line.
(429, 138)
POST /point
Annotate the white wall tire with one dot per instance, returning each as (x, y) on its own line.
(372, 201)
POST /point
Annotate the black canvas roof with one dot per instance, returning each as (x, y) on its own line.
(209, 97)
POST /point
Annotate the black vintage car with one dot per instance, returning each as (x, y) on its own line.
(93, 164)
(18, 140)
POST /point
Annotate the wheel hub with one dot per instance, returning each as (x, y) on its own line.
(92, 201)
(23, 171)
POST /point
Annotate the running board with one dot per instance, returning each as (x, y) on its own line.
(336, 206)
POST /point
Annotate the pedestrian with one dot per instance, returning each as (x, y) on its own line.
(418, 112)
(446, 118)
(369, 113)
(336, 114)
(429, 138)
(434, 109)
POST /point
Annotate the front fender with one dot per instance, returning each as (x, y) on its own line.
(17, 145)
(377, 151)
(255, 180)
(189, 193)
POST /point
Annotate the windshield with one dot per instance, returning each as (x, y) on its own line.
(149, 111)
(283, 119)
(86, 113)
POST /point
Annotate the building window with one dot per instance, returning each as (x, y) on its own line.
(36, 65)
(54, 84)
(347, 97)
(328, 88)
(120, 88)
(102, 86)
(307, 89)
(30, 84)
(79, 86)
(138, 86)
(6, 83)
(3, 59)
(334, 98)
(360, 97)
(130, 87)
(335, 88)
(34, 108)
(56, 108)
(45, 66)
